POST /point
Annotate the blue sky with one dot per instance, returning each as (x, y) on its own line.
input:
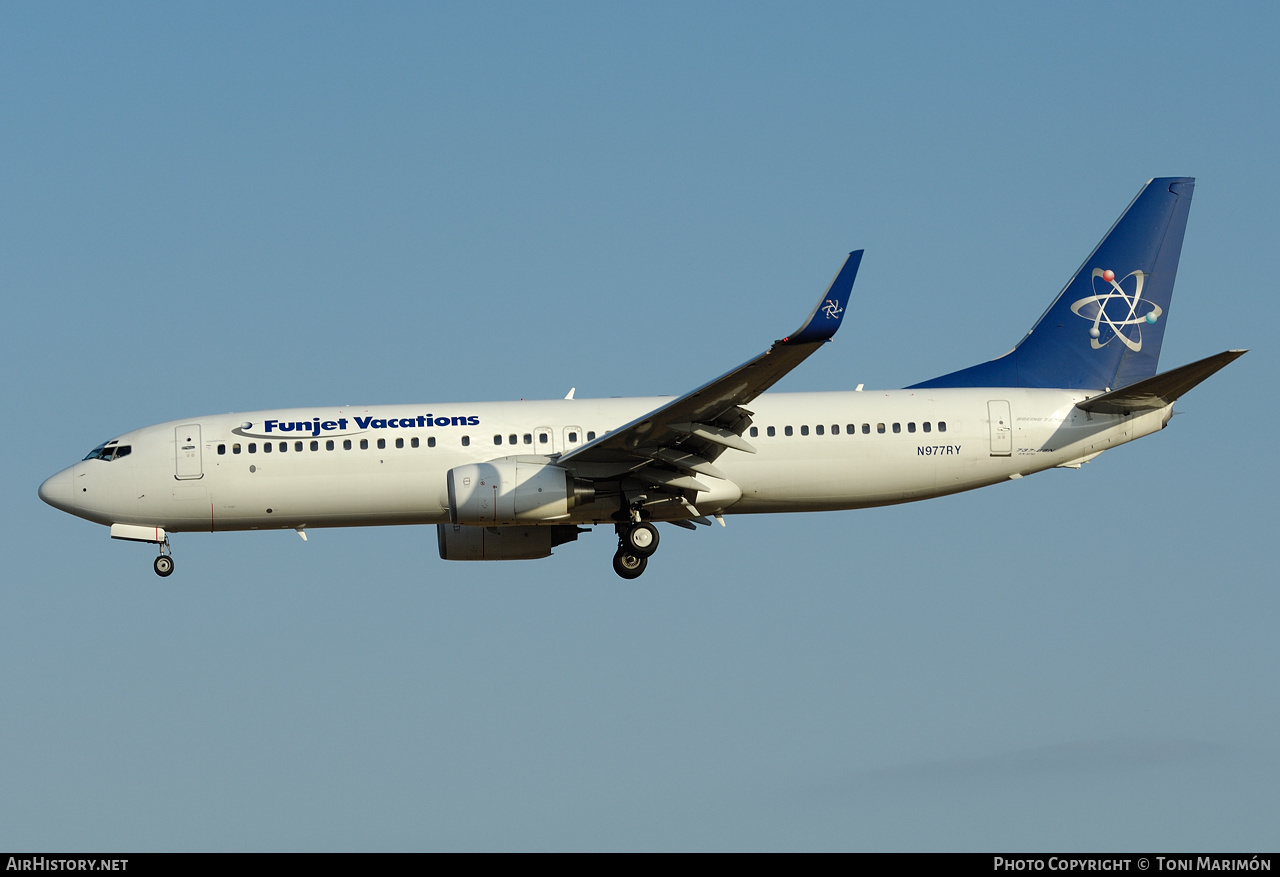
(219, 207)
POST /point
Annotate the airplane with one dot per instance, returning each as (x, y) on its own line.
(513, 480)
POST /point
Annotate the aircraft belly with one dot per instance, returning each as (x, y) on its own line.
(365, 496)
(820, 481)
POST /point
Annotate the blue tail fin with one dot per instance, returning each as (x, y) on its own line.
(1104, 329)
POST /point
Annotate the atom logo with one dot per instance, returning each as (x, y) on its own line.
(1135, 311)
(832, 309)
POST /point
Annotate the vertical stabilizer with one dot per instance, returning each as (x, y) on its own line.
(1105, 328)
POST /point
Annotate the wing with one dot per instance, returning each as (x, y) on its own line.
(668, 447)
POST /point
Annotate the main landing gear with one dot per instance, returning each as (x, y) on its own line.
(164, 563)
(636, 542)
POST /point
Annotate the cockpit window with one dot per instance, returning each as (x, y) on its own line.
(109, 451)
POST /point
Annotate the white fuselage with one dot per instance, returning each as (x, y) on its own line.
(389, 464)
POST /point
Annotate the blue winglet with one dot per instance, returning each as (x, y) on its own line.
(826, 317)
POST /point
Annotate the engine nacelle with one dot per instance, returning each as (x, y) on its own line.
(505, 492)
(460, 542)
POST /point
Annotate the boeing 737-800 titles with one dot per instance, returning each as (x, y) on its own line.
(512, 480)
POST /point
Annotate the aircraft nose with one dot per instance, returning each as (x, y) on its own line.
(57, 491)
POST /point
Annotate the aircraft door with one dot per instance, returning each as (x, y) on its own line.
(187, 446)
(1001, 428)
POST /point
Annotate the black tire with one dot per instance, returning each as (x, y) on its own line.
(163, 565)
(641, 540)
(628, 565)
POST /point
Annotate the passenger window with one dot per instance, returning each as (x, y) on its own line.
(591, 436)
(542, 438)
(399, 443)
(346, 444)
(382, 443)
(431, 441)
(788, 430)
(771, 431)
(297, 446)
(328, 445)
(942, 426)
(866, 429)
(755, 431)
(266, 447)
(819, 429)
(315, 445)
(851, 428)
(364, 444)
(413, 442)
(497, 439)
(927, 426)
(222, 449)
(897, 428)
(804, 430)
(466, 441)
(880, 428)
(911, 427)
(528, 438)
(253, 447)
(235, 449)
(573, 437)
(284, 446)
(511, 439)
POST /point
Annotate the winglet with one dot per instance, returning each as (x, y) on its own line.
(826, 316)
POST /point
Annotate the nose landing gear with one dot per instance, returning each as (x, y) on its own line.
(163, 564)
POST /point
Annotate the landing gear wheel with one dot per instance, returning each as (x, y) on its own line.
(641, 539)
(628, 565)
(163, 565)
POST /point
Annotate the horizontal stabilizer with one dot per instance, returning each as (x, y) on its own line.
(1161, 390)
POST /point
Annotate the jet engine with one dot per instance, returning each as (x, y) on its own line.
(504, 492)
(460, 542)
